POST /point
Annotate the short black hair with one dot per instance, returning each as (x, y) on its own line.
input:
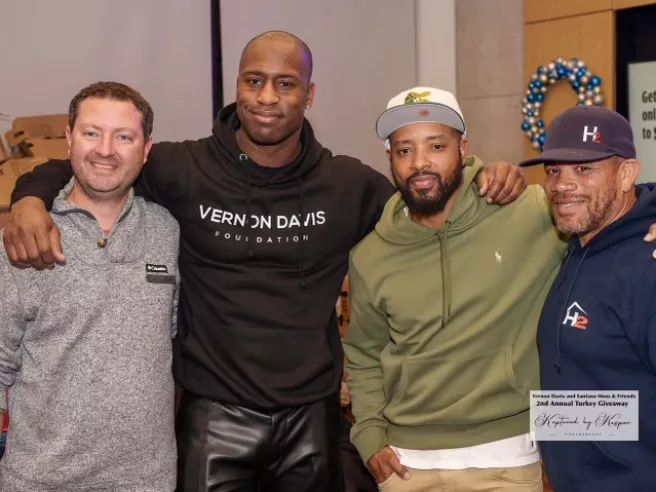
(119, 92)
(283, 36)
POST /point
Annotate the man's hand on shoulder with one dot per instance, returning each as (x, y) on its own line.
(502, 182)
(31, 238)
(384, 463)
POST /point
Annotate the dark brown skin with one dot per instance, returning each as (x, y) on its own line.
(273, 92)
(384, 463)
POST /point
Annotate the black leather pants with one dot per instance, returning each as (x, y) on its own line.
(228, 448)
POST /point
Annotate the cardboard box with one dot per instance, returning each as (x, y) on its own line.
(10, 171)
(43, 126)
(38, 136)
(52, 148)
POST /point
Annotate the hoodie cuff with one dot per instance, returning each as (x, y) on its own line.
(369, 441)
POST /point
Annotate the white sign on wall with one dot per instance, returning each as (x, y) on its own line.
(642, 114)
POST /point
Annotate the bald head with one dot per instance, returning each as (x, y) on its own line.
(274, 88)
(269, 39)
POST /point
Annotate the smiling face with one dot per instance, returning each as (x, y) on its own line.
(427, 162)
(107, 147)
(587, 197)
(273, 90)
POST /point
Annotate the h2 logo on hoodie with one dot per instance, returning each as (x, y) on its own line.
(574, 318)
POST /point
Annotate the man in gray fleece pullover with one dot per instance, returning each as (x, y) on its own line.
(85, 349)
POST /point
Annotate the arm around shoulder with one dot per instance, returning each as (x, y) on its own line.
(379, 190)
(44, 182)
(163, 178)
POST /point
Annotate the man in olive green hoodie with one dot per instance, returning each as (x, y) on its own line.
(446, 296)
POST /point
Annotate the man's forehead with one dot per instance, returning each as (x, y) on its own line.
(272, 56)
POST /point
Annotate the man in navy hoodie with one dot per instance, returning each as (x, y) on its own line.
(268, 217)
(598, 325)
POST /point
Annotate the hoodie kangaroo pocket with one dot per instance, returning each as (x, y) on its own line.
(466, 391)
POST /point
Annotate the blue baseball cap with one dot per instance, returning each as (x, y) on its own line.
(586, 134)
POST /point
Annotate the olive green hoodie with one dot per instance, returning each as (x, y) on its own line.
(441, 345)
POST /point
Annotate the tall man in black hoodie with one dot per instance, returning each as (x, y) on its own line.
(268, 217)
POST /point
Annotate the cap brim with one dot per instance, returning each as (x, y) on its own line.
(566, 155)
(394, 118)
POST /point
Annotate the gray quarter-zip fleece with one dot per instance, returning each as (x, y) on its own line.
(85, 350)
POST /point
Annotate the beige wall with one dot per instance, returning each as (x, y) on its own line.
(489, 47)
(51, 49)
(436, 43)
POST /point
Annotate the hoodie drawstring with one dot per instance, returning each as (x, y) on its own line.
(446, 274)
(250, 252)
(249, 245)
(301, 250)
(569, 292)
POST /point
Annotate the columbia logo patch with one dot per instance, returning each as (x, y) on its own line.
(150, 268)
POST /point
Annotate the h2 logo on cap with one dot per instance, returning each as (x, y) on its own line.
(596, 136)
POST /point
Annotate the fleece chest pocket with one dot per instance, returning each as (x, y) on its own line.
(145, 286)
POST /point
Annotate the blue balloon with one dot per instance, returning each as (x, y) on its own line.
(526, 126)
(576, 84)
(540, 123)
(538, 83)
(530, 97)
(529, 113)
(542, 138)
(540, 97)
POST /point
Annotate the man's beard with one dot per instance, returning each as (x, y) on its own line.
(598, 211)
(421, 203)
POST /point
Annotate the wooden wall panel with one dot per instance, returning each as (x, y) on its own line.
(588, 37)
(541, 10)
(627, 4)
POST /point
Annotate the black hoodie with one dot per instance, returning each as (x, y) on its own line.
(263, 253)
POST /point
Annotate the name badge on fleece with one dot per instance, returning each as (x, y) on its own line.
(158, 274)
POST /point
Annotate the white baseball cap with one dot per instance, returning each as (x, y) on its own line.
(418, 105)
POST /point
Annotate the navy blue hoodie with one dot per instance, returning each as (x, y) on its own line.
(598, 332)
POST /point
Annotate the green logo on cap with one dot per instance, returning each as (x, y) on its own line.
(416, 98)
